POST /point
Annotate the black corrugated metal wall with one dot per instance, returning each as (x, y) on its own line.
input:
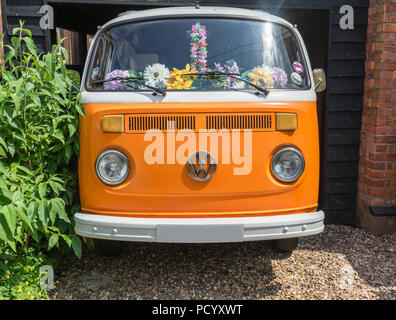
(343, 99)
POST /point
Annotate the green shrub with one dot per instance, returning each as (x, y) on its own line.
(39, 147)
(22, 279)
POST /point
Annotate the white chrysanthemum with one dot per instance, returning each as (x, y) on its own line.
(156, 75)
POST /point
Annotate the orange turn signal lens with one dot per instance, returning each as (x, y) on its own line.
(286, 121)
(113, 124)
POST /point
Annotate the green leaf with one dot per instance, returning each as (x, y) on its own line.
(3, 143)
(10, 217)
(5, 196)
(9, 55)
(12, 244)
(59, 135)
(2, 152)
(3, 228)
(80, 109)
(68, 153)
(16, 101)
(34, 234)
(53, 240)
(76, 245)
(43, 212)
(54, 187)
(42, 190)
(52, 211)
(50, 62)
(67, 240)
(72, 128)
(25, 170)
(23, 217)
(30, 45)
(32, 210)
(60, 208)
(11, 148)
(16, 42)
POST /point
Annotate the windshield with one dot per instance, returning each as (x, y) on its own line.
(164, 54)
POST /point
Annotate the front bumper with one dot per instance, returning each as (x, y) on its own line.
(198, 230)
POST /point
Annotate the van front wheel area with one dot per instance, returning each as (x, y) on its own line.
(285, 245)
(109, 248)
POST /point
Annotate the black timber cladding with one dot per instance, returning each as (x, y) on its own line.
(343, 98)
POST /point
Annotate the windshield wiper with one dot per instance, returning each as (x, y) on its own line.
(228, 74)
(154, 89)
(133, 80)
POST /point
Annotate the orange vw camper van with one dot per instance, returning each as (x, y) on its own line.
(201, 127)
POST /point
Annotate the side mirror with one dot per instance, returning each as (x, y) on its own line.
(75, 78)
(320, 80)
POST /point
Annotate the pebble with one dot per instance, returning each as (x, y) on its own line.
(341, 263)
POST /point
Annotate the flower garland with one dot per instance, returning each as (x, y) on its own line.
(198, 47)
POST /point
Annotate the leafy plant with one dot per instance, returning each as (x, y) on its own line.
(39, 146)
(21, 280)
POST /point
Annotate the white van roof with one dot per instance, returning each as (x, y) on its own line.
(201, 11)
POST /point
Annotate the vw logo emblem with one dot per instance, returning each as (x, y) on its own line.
(201, 166)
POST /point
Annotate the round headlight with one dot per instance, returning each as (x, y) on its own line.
(112, 167)
(288, 164)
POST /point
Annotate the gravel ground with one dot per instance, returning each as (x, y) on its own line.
(341, 263)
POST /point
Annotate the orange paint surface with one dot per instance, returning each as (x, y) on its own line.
(166, 190)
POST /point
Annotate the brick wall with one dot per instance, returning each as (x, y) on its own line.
(377, 166)
(1, 20)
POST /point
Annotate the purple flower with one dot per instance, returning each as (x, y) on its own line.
(219, 67)
(233, 69)
(280, 77)
(116, 84)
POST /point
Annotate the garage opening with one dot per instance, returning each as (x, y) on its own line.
(77, 23)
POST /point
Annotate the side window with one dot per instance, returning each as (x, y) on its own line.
(103, 57)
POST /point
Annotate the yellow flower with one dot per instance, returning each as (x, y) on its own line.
(19, 290)
(26, 268)
(6, 261)
(28, 293)
(8, 276)
(264, 76)
(27, 283)
(178, 81)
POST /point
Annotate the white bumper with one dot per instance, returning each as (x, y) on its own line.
(198, 230)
